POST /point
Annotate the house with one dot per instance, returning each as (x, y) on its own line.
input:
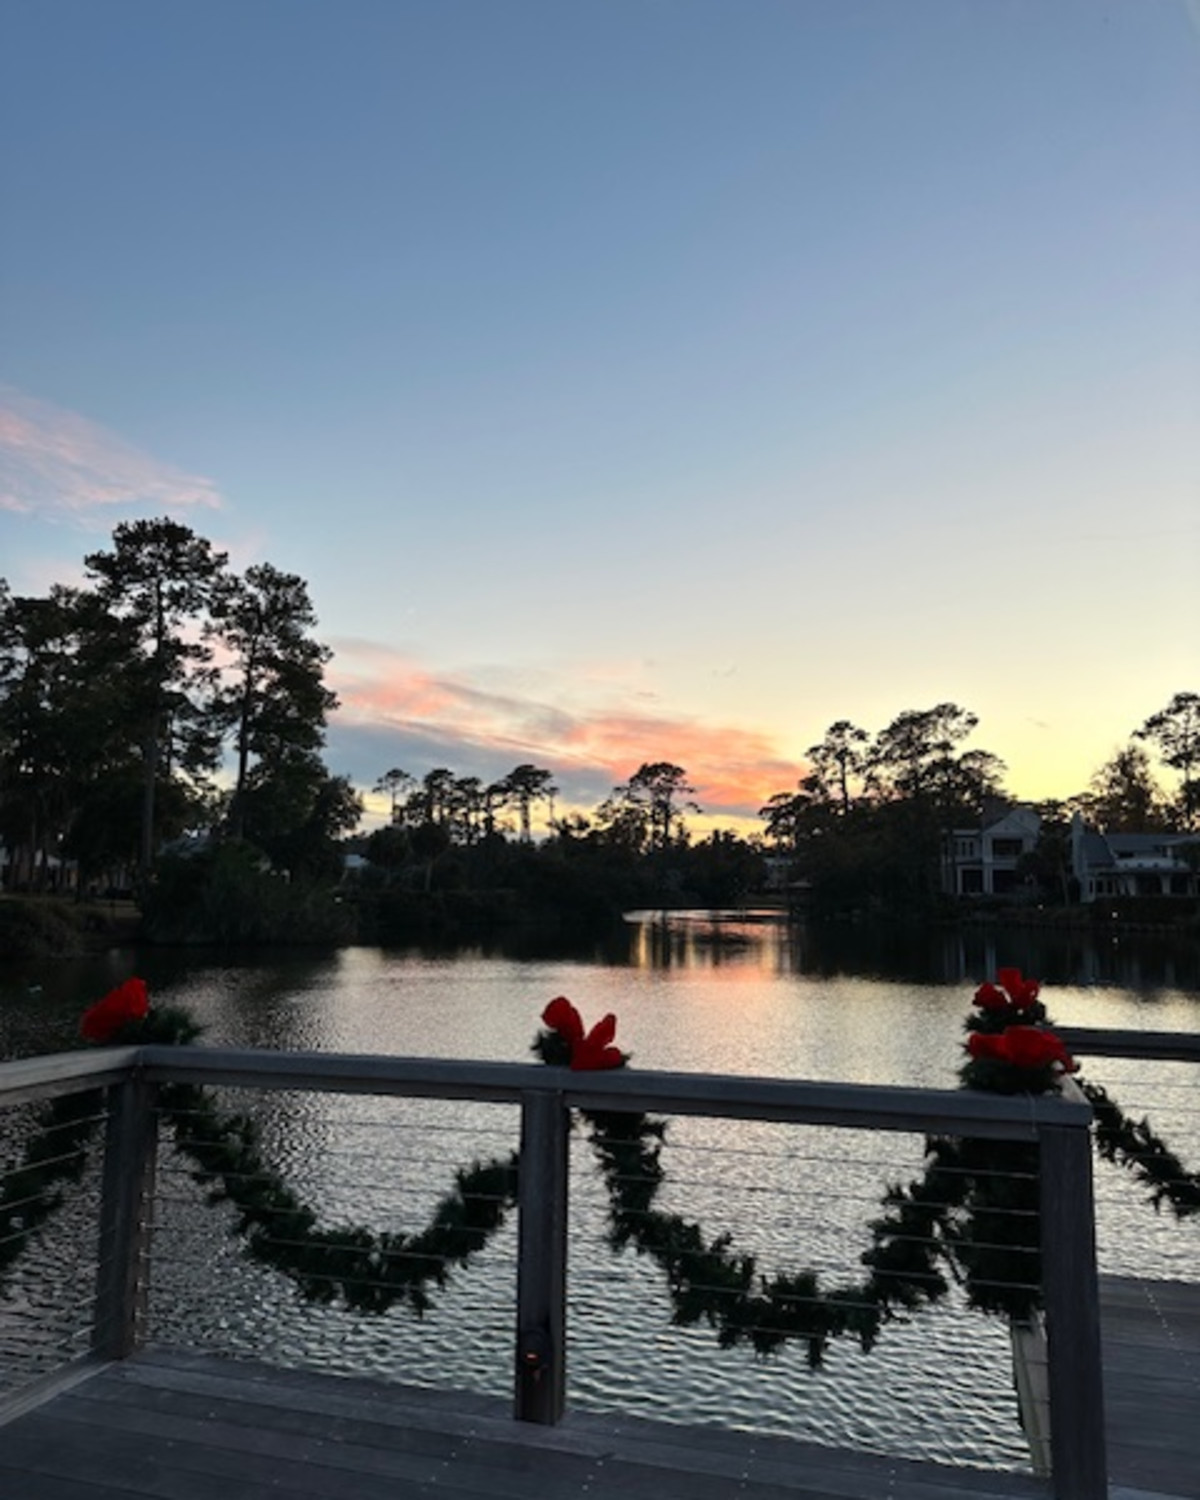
(27, 870)
(983, 861)
(1132, 864)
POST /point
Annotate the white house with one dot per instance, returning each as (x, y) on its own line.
(1131, 864)
(983, 861)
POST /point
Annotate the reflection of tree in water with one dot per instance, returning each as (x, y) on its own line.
(706, 939)
(1137, 961)
(1143, 962)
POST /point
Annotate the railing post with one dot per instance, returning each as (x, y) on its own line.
(130, 1152)
(1072, 1295)
(542, 1259)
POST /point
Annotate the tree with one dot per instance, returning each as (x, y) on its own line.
(433, 800)
(296, 812)
(274, 700)
(976, 779)
(523, 786)
(788, 817)
(395, 784)
(159, 579)
(836, 762)
(63, 691)
(1049, 862)
(429, 842)
(1175, 730)
(34, 756)
(648, 809)
(914, 757)
(388, 848)
(469, 807)
(1122, 796)
(723, 869)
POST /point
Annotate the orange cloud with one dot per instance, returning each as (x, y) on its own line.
(731, 767)
(56, 463)
(589, 748)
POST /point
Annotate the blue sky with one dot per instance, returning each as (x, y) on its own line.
(631, 381)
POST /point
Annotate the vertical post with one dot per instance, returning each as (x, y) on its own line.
(1072, 1294)
(130, 1150)
(541, 1382)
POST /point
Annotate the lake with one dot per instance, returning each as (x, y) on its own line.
(735, 992)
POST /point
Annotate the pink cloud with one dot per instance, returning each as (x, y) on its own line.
(730, 766)
(733, 768)
(55, 464)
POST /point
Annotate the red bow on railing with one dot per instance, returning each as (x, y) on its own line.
(589, 1050)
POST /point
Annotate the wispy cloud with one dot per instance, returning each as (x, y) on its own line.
(58, 465)
(397, 712)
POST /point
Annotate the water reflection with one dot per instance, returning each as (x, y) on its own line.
(736, 992)
(767, 941)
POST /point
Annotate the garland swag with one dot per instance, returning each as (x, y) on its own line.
(972, 1217)
(351, 1264)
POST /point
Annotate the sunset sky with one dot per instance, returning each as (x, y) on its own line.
(630, 379)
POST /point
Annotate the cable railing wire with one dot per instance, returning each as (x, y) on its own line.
(402, 1174)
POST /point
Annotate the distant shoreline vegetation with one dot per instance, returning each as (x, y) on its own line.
(162, 731)
(513, 920)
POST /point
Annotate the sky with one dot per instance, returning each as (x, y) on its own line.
(630, 380)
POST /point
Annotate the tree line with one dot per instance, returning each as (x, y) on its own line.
(868, 825)
(919, 758)
(170, 695)
(865, 829)
(643, 814)
(122, 699)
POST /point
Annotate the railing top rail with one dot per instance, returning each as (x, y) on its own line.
(865, 1106)
(1166, 1046)
(58, 1073)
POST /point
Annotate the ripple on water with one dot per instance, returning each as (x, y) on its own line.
(939, 1386)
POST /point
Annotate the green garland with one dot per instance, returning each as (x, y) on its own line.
(365, 1271)
(710, 1281)
(972, 1217)
(1134, 1145)
(55, 1157)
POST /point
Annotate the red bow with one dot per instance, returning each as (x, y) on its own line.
(1022, 1047)
(588, 1051)
(1012, 990)
(128, 1002)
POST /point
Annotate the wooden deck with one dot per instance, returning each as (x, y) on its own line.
(183, 1426)
(187, 1427)
(1151, 1334)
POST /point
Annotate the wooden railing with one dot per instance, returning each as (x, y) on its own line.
(1157, 1046)
(546, 1096)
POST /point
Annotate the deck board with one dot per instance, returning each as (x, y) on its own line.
(178, 1425)
(190, 1428)
(1151, 1338)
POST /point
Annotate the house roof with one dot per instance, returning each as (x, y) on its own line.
(1107, 851)
(1145, 843)
(1096, 852)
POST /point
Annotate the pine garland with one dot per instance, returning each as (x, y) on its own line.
(55, 1156)
(350, 1264)
(363, 1270)
(971, 1217)
(709, 1281)
(1133, 1144)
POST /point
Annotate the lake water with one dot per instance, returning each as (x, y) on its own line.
(695, 992)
